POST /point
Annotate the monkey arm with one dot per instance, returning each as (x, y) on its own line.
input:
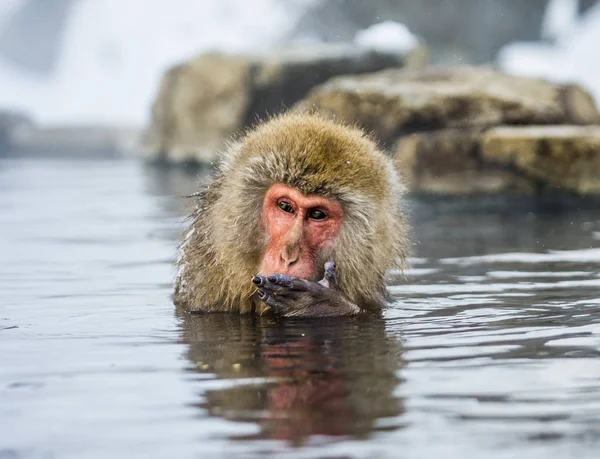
(294, 297)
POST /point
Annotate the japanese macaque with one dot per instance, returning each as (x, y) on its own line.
(298, 199)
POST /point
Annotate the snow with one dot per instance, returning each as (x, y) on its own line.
(573, 57)
(387, 37)
(7, 8)
(559, 18)
(114, 53)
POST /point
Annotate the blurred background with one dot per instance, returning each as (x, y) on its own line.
(490, 345)
(97, 64)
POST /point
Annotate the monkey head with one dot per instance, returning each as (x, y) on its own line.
(290, 195)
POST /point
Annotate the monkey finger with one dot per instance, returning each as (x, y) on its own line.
(278, 283)
(289, 282)
(330, 272)
(281, 279)
(269, 299)
(329, 280)
(259, 280)
(275, 289)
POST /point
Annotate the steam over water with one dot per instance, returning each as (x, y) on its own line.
(490, 347)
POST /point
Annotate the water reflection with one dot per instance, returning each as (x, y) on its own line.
(482, 225)
(489, 349)
(300, 378)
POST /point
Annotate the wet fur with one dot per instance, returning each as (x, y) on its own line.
(226, 240)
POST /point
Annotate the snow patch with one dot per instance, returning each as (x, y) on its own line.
(559, 18)
(573, 57)
(387, 37)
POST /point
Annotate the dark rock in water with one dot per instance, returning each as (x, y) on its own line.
(556, 157)
(75, 141)
(203, 102)
(10, 123)
(524, 159)
(396, 102)
(19, 135)
(448, 162)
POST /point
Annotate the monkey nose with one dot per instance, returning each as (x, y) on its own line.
(289, 261)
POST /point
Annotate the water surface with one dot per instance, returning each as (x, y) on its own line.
(490, 348)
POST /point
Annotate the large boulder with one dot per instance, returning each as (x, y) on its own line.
(448, 162)
(201, 103)
(516, 159)
(556, 157)
(397, 102)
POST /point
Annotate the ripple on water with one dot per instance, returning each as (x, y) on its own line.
(489, 349)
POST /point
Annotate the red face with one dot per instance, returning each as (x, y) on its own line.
(299, 228)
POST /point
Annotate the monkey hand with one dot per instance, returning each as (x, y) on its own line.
(295, 297)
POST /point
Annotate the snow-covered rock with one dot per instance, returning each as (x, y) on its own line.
(387, 36)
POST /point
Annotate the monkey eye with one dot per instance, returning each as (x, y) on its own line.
(317, 214)
(286, 207)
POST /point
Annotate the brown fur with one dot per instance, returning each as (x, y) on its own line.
(225, 244)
